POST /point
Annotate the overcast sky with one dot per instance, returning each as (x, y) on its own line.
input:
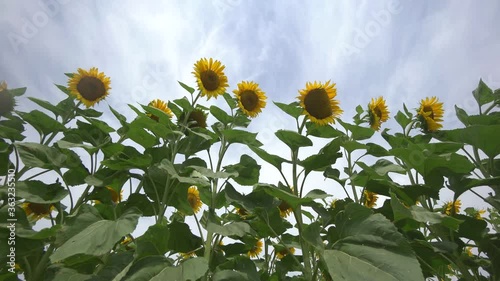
(402, 51)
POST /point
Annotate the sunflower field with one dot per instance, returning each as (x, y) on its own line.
(64, 215)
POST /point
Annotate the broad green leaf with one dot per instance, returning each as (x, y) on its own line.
(66, 144)
(167, 166)
(42, 122)
(141, 202)
(483, 94)
(119, 116)
(293, 139)
(229, 275)
(491, 119)
(402, 119)
(181, 239)
(41, 156)
(241, 264)
(213, 175)
(64, 274)
(235, 229)
(328, 131)
(256, 199)
(153, 242)
(376, 150)
(272, 159)
(147, 268)
(17, 92)
(186, 87)
(128, 158)
(40, 192)
(47, 105)
(76, 223)
(311, 234)
(184, 104)
(98, 238)
(88, 112)
(293, 109)
(114, 265)
(462, 115)
(246, 172)
(370, 248)
(63, 89)
(479, 136)
(220, 115)
(462, 185)
(240, 136)
(358, 132)
(230, 101)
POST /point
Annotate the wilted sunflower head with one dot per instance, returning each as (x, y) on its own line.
(431, 114)
(197, 118)
(193, 197)
(370, 198)
(161, 105)
(90, 86)
(452, 207)
(378, 112)
(7, 101)
(251, 99)
(36, 211)
(210, 77)
(285, 209)
(281, 254)
(319, 103)
(256, 249)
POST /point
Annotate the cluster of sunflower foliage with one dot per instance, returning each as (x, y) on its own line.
(63, 214)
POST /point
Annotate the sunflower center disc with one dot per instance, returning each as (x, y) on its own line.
(317, 103)
(378, 112)
(91, 88)
(6, 103)
(39, 208)
(249, 100)
(210, 80)
(199, 117)
(428, 109)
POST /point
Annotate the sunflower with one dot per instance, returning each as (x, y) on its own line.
(7, 101)
(478, 214)
(431, 114)
(318, 102)
(197, 118)
(90, 86)
(188, 255)
(126, 241)
(370, 198)
(281, 254)
(378, 112)
(468, 251)
(36, 210)
(251, 99)
(242, 212)
(285, 209)
(193, 197)
(210, 77)
(452, 207)
(333, 204)
(256, 249)
(161, 105)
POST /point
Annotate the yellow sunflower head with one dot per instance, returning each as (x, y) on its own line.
(126, 241)
(285, 209)
(161, 105)
(478, 214)
(90, 86)
(7, 101)
(251, 99)
(256, 249)
(36, 211)
(452, 207)
(281, 254)
(197, 118)
(378, 112)
(193, 198)
(333, 203)
(370, 198)
(242, 212)
(188, 255)
(319, 103)
(210, 77)
(430, 114)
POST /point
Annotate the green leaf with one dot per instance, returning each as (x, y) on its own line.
(47, 105)
(241, 264)
(376, 150)
(247, 171)
(462, 115)
(272, 159)
(483, 94)
(76, 223)
(17, 92)
(147, 268)
(358, 132)
(43, 123)
(184, 104)
(41, 156)
(181, 239)
(66, 144)
(153, 242)
(234, 229)
(98, 238)
(370, 248)
(186, 87)
(240, 136)
(64, 89)
(402, 119)
(293, 139)
(477, 135)
(311, 235)
(327, 131)
(229, 275)
(120, 117)
(167, 166)
(230, 101)
(220, 115)
(40, 192)
(293, 109)
(128, 158)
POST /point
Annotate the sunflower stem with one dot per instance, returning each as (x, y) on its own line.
(350, 170)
